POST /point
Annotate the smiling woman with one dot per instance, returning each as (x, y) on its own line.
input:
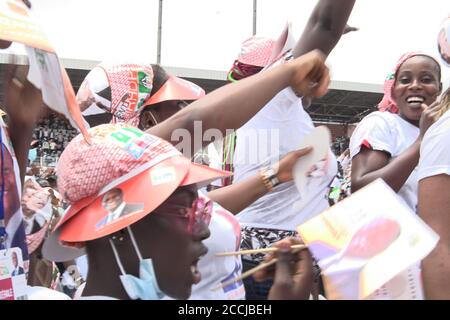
(386, 144)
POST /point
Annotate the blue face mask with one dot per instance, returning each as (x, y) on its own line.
(145, 287)
(32, 154)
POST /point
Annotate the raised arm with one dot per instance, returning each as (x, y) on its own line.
(231, 106)
(325, 26)
(434, 209)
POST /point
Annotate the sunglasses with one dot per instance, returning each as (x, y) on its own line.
(200, 211)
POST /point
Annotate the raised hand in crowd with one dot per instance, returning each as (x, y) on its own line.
(292, 274)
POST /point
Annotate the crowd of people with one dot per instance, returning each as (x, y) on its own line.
(132, 210)
(340, 145)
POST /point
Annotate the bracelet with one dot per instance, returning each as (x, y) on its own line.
(269, 178)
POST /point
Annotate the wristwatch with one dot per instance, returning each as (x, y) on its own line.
(269, 178)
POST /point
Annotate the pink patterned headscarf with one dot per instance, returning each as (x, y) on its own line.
(388, 103)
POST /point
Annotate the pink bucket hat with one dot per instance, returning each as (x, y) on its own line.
(124, 89)
(388, 103)
(261, 51)
(145, 168)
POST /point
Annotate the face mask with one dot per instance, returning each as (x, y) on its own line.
(145, 287)
(32, 154)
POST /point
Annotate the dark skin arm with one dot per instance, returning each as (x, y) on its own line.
(325, 26)
(323, 31)
(434, 209)
(238, 196)
(369, 165)
(231, 106)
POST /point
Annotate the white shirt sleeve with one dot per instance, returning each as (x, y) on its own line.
(375, 133)
(435, 151)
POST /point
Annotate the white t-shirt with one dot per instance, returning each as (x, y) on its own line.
(385, 131)
(274, 131)
(435, 149)
(225, 236)
(42, 293)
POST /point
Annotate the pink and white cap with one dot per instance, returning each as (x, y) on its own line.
(262, 51)
(125, 89)
(129, 85)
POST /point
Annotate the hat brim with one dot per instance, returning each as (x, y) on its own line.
(53, 250)
(203, 175)
(284, 43)
(142, 194)
(176, 89)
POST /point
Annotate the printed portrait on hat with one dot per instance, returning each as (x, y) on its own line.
(116, 207)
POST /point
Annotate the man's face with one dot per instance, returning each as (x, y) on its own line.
(112, 200)
(28, 190)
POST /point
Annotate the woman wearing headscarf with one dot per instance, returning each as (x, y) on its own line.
(386, 143)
